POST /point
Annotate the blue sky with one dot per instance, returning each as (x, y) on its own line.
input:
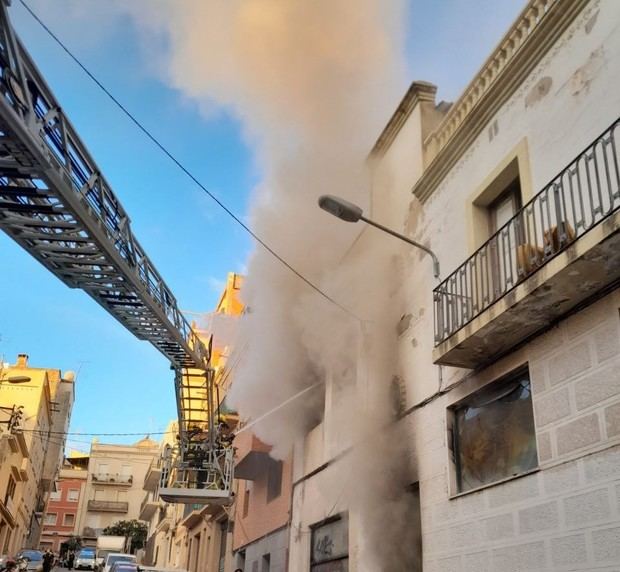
(125, 385)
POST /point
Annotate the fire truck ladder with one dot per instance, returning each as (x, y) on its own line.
(56, 204)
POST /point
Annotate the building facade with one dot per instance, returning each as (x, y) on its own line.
(508, 369)
(262, 506)
(34, 401)
(113, 489)
(60, 521)
(196, 537)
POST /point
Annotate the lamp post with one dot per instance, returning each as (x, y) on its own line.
(349, 212)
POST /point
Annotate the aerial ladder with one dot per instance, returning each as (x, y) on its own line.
(57, 205)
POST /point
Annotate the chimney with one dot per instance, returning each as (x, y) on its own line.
(22, 360)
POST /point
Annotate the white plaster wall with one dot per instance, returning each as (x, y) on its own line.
(495, 529)
(313, 501)
(458, 534)
(394, 173)
(579, 106)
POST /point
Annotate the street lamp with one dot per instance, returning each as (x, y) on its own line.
(349, 212)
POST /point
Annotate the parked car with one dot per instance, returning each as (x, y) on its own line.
(115, 557)
(144, 568)
(33, 558)
(85, 559)
(124, 567)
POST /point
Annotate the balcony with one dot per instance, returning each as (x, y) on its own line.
(112, 479)
(559, 252)
(153, 476)
(22, 444)
(7, 510)
(148, 507)
(108, 506)
(11, 440)
(252, 457)
(89, 532)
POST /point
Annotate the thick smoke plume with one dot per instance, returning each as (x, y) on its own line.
(312, 82)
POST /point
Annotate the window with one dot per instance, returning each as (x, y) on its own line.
(414, 528)
(50, 518)
(274, 480)
(504, 207)
(240, 563)
(99, 494)
(10, 490)
(73, 495)
(330, 544)
(506, 247)
(246, 502)
(68, 520)
(7, 541)
(223, 535)
(103, 469)
(55, 496)
(265, 563)
(512, 173)
(493, 433)
(125, 475)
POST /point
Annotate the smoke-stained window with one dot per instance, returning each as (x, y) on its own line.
(274, 480)
(494, 435)
(330, 545)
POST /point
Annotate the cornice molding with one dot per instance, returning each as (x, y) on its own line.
(534, 32)
(418, 91)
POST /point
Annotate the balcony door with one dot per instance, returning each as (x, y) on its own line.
(505, 246)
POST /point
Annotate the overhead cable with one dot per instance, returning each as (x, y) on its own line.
(142, 433)
(181, 166)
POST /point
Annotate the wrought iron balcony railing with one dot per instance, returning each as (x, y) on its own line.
(113, 478)
(584, 194)
(107, 506)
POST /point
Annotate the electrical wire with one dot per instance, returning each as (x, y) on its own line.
(228, 369)
(181, 166)
(142, 433)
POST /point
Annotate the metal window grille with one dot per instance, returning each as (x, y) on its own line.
(580, 197)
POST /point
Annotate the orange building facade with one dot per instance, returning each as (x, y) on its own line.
(262, 507)
(63, 507)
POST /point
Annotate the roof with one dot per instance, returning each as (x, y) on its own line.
(146, 443)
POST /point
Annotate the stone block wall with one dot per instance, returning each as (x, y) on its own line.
(566, 515)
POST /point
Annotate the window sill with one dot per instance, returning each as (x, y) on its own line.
(494, 483)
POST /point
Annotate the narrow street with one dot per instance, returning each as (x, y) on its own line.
(310, 285)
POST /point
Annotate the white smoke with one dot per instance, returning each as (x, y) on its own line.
(313, 83)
